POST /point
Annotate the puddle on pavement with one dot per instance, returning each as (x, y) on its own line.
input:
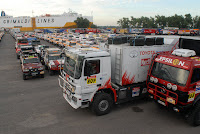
(137, 109)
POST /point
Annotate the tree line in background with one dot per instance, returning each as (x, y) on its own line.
(158, 21)
(84, 23)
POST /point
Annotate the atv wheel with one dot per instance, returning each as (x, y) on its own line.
(194, 116)
(102, 104)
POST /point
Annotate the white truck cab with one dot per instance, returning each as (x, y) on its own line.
(85, 71)
(53, 60)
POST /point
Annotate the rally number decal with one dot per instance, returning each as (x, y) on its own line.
(91, 80)
(191, 96)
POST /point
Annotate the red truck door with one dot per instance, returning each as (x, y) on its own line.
(194, 87)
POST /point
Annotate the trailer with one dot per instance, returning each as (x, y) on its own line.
(149, 31)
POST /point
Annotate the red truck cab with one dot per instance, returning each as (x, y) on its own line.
(19, 43)
(31, 66)
(174, 82)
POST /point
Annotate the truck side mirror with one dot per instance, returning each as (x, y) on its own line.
(62, 54)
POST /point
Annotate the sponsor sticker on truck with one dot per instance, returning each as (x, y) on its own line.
(175, 62)
(91, 80)
(191, 96)
(145, 62)
(136, 91)
(197, 89)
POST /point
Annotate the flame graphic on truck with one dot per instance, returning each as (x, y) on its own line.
(108, 85)
(126, 80)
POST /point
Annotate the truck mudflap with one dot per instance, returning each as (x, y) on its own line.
(162, 95)
(73, 99)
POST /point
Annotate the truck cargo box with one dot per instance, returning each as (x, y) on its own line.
(192, 43)
(130, 64)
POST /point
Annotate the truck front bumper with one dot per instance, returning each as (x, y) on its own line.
(73, 99)
(34, 73)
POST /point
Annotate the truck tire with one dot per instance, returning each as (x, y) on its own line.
(46, 67)
(42, 75)
(51, 72)
(102, 104)
(24, 77)
(194, 116)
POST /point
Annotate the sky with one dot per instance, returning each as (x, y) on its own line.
(104, 12)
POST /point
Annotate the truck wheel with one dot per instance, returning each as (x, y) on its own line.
(51, 72)
(24, 77)
(102, 104)
(46, 67)
(194, 116)
(42, 75)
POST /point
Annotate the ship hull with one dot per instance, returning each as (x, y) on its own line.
(31, 23)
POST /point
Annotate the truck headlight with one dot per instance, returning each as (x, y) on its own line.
(73, 89)
(169, 85)
(151, 79)
(155, 80)
(74, 99)
(26, 70)
(174, 87)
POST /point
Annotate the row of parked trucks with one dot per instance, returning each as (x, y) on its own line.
(33, 56)
(149, 31)
(1, 35)
(160, 67)
(98, 79)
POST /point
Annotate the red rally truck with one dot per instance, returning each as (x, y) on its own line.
(174, 82)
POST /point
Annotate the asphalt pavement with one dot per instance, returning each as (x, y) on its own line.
(36, 106)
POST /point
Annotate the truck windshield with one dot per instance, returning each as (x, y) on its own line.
(54, 57)
(31, 60)
(72, 44)
(22, 41)
(73, 65)
(169, 73)
(35, 42)
(26, 48)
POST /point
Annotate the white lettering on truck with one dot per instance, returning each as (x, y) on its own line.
(171, 61)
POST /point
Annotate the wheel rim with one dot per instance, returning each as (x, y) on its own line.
(103, 105)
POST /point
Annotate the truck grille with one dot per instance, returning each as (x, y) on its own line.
(182, 96)
(33, 70)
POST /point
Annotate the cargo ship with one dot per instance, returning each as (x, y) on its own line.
(47, 21)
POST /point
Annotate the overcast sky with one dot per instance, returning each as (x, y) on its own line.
(105, 12)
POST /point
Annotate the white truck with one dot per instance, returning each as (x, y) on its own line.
(53, 60)
(98, 79)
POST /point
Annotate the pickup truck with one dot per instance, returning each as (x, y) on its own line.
(31, 66)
